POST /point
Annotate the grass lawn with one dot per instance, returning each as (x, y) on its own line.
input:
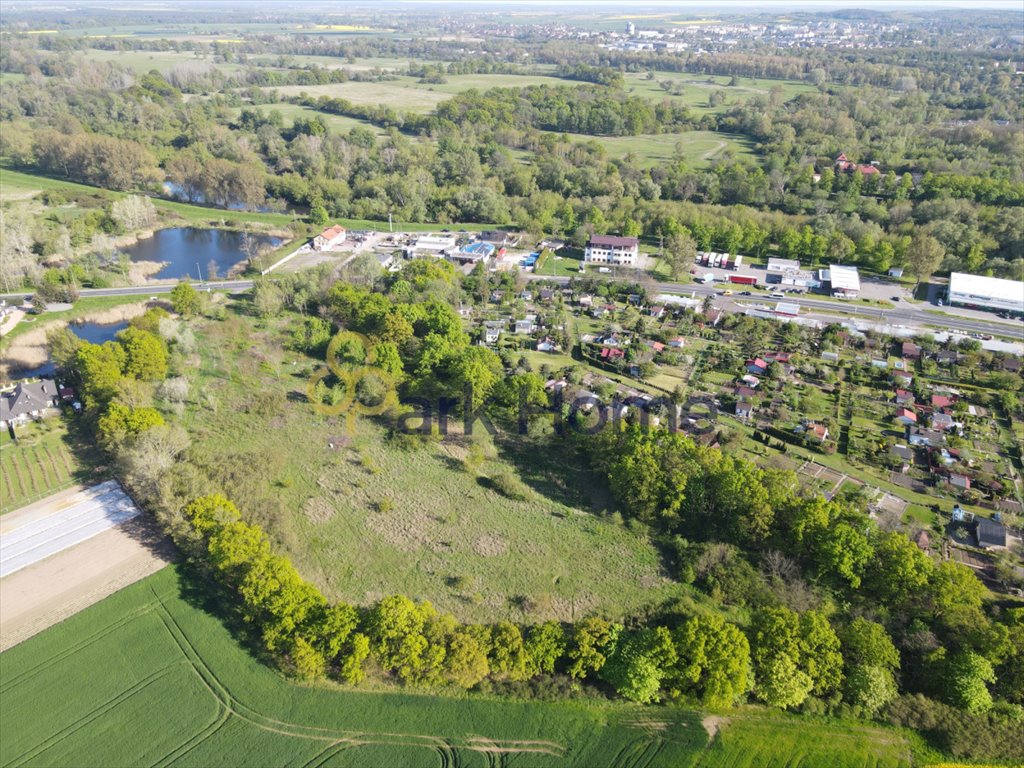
(698, 148)
(696, 89)
(47, 457)
(151, 675)
(374, 518)
(753, 741)
(336, 123)
(408, 94)
(403, 93)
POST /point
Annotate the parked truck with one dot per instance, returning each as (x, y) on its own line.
(743, 279)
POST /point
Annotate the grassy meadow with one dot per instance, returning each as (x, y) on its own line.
(698, 148)
(371, 518)
(152, 676)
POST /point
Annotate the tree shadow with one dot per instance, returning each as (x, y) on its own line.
(557, 471)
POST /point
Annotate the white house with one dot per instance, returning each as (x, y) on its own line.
(611, 249)
(329, 238)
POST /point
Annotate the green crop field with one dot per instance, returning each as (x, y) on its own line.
(148, 677)
(151, 676)
(46, 458)
(374, 518)
(698, 148)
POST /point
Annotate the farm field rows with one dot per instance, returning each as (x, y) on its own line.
(44, 460)
(177, 689)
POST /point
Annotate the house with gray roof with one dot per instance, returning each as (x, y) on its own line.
(27, 401)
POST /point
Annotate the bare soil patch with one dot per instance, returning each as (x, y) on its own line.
(60, 586)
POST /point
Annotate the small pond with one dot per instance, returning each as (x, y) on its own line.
(95, 333)
(188, 251)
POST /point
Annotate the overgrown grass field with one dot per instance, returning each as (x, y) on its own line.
(698, 148)
(369, 518)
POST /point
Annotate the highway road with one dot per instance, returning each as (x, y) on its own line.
(906, 314)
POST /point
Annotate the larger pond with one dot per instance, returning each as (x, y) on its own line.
(191, 252)
(95, 333)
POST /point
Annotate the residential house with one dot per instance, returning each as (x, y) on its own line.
(745, 392)
(678, 342)
(923, 540)
(906, 416)
(1011, 364)
(610, 354)
(585, 300)
(989, 533)
(526, 295)
(497, 296)
(751, 381)
(27, 401)
(329, 238)
(610, 249)
(864, 169)
(903, 397)
(905, 455)
(963, 482)
(555, 385)
(902, 378)
(744, 409)
(657, 311)
(546, 294)
(946, 357)
(493, 330)
(547, 344)
(942, 401)
(813, 428)
(919, 436)
(911, 351)
(527, 325)
(657, 346)
(942, 421)
(757, 366)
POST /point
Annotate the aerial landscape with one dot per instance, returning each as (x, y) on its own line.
(512, 385)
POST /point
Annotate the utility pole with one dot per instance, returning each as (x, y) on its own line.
(390, 229)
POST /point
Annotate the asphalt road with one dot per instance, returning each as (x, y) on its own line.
(235, 286)
(906, 314)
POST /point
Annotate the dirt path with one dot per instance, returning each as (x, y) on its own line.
(60, 586)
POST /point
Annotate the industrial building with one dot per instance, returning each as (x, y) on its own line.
(842, 280)
(986, 292)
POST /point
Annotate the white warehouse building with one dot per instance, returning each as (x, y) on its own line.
(986, 292)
